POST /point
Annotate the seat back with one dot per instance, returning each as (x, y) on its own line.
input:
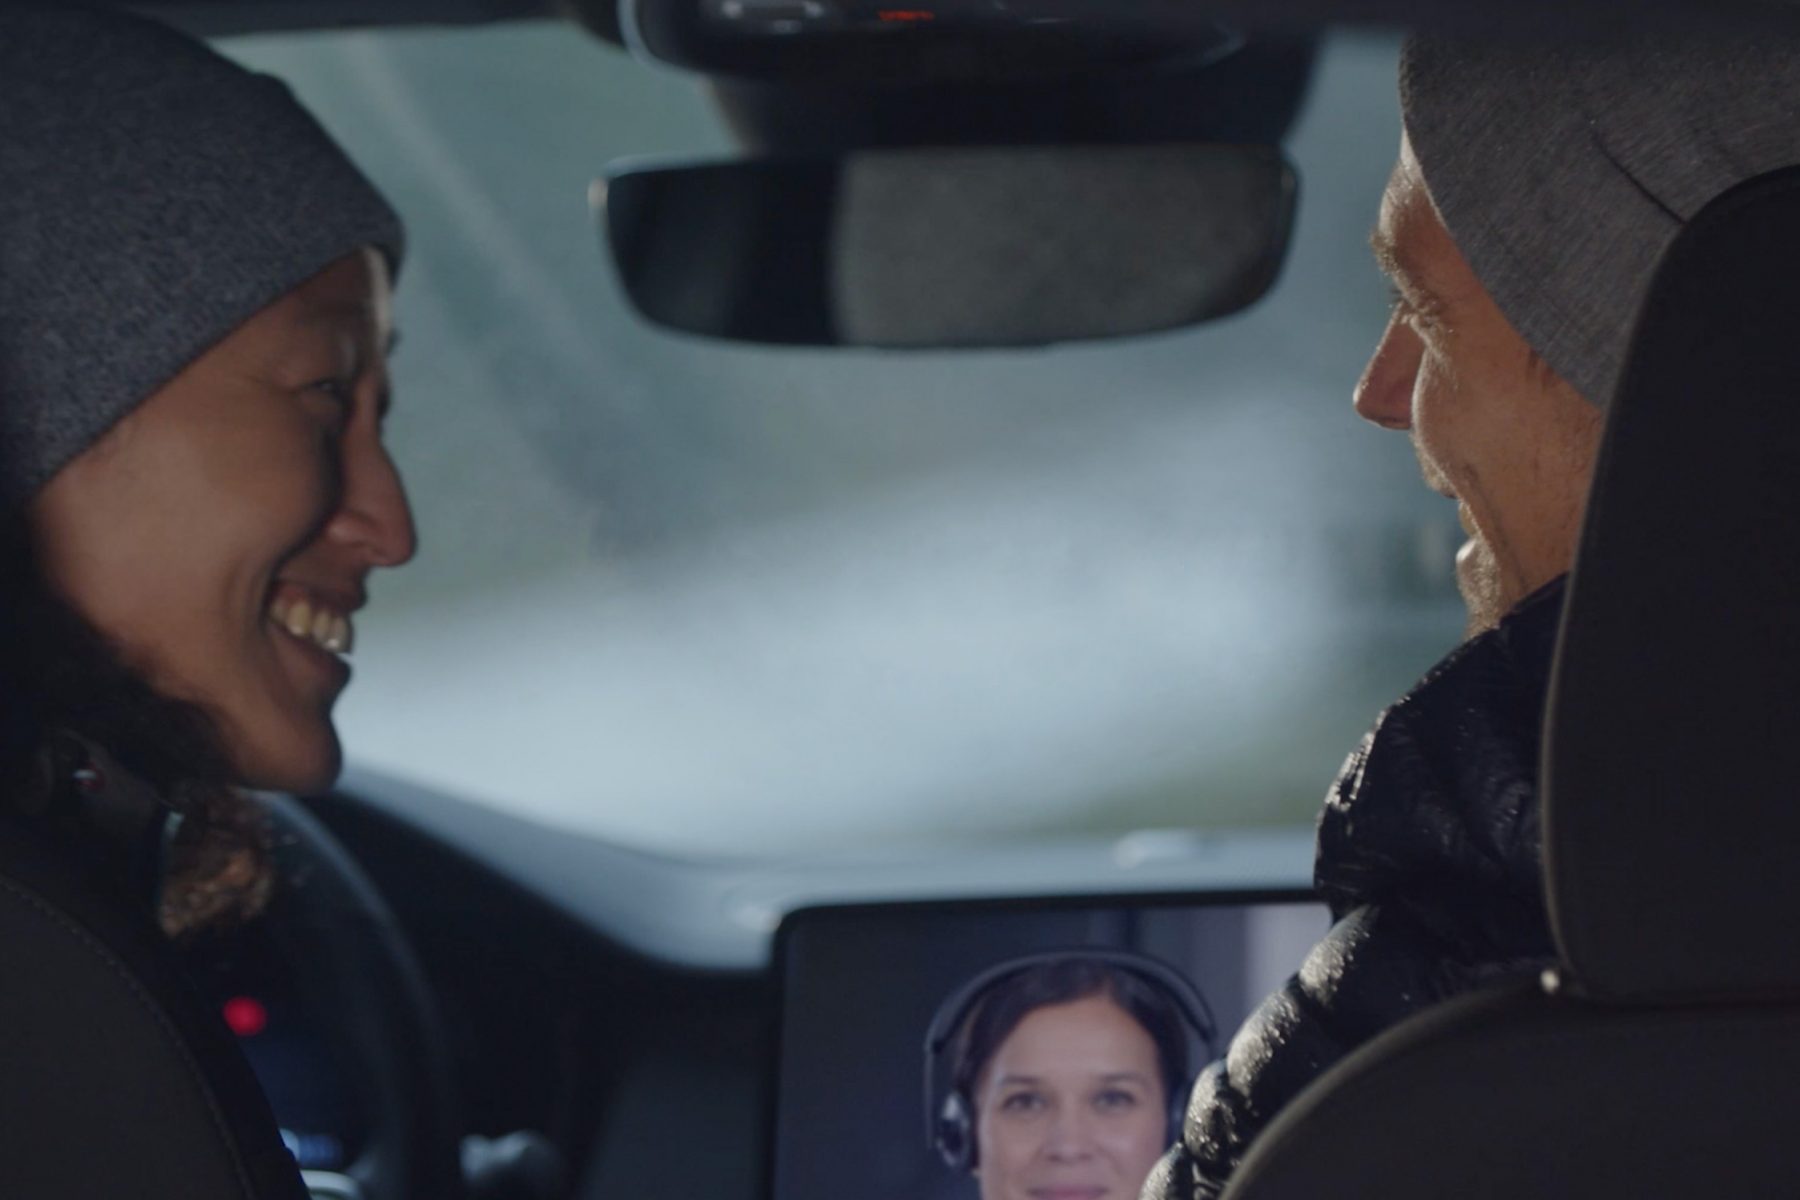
(114, 1080)
(1511, 1094)
(1659, 1059)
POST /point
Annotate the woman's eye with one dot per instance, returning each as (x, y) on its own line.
(1022, 1102)
(338, 394)
(340, 390)
(1116, 1100)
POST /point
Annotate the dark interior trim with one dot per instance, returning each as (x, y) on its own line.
(221, 18)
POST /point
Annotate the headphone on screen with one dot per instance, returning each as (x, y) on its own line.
(950, 1112)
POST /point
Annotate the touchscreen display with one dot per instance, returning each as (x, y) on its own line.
(1009, 1051)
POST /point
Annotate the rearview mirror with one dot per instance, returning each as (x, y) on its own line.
(951, 247)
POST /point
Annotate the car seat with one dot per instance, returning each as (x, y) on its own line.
(114, 1079)
(1661, 1056)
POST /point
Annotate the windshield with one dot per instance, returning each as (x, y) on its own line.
(712, 598)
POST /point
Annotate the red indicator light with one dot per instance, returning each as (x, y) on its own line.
(906, 14)
(245, 1016)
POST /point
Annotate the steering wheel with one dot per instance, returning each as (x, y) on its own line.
(333, 935)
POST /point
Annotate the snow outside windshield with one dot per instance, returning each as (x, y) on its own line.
(712, 598)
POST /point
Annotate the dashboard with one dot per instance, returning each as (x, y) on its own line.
(616, 1001)
(281, 1029)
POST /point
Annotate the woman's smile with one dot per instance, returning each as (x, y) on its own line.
(313, 618)
(322, 661)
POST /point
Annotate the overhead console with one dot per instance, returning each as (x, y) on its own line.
(947, 39)
(910, 40)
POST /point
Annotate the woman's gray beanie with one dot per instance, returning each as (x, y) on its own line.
(153, 196)
(1563, 173)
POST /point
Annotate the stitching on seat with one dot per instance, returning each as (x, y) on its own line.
(143, 997)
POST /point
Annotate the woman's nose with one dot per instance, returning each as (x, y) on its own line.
(374, 516)
(1384, 393)
(1069, 1139)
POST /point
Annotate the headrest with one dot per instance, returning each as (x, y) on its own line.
(1672, 754)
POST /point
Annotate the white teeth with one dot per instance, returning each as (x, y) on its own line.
(299, 619)
(318, 625)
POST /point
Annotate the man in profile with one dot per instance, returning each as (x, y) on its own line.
(1535, 191)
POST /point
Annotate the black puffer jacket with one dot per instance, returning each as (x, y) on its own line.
(1429, 855)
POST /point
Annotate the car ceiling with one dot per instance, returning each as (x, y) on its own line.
(223, 17)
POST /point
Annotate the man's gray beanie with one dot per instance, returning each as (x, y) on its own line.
(1563, 174)
(153, 196)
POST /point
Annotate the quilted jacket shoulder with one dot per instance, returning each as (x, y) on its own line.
(1429, 854)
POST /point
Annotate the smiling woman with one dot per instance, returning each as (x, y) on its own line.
(1063, 1071)
(194, 324)
(1071, 1106)
(193, 486)
(221, 533)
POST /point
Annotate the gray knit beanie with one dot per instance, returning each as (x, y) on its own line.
(153, 196)
(1563, 174)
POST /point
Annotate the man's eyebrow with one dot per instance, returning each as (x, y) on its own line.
(1387, 257)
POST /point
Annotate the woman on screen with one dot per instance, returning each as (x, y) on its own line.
(1063, 1072)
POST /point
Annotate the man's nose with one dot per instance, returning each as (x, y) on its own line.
(373, 516)
(1384, 393)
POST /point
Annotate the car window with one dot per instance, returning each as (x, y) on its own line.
(725, 599)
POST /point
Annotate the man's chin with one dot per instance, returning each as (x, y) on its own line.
(1478, 579)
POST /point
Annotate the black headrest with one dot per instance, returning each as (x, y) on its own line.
(1672, 754)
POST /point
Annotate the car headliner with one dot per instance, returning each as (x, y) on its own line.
(222, 17)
